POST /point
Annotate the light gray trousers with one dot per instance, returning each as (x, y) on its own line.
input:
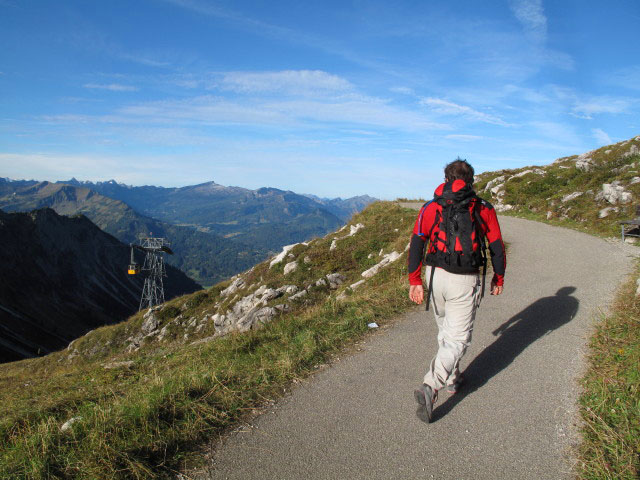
(454, 302)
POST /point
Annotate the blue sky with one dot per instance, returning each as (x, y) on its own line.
(331, 98)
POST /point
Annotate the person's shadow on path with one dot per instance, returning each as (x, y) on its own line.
(541, 317)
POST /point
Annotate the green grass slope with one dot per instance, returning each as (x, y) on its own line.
(610, 402)
(590, 192)
(145, 393)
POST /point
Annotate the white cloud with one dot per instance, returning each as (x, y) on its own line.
(627, 78)
(601, 136)
(114, 87)
(403, 90)
(449, 108)
(347, 109)
(586, 108)
(531, 15)
(293, 82)
(464, 138)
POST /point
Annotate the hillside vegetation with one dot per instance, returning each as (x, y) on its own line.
(610, 402)
(134, 399)
(591, 192)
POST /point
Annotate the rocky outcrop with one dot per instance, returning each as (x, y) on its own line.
(584, 162)
(571, 196)
(285, 250)
(290, 267)
(614, 193)
(353, 229)
(386, 260)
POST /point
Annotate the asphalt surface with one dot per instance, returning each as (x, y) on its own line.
(515, 417)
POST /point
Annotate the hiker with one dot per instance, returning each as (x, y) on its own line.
(457, 225)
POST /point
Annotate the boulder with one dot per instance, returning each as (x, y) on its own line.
(298, 295)
(614, 193)
(335, 280)
(290, 267)
(605, 212)
(353, 286)
(334, 245)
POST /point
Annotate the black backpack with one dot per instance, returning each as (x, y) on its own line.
(457, 224)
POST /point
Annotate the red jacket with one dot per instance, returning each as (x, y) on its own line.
(426, 230)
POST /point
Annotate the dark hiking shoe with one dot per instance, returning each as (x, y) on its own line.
(425, 396)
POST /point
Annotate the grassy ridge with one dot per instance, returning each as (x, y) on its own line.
(540, 193)
(610, 403)
(145, 420)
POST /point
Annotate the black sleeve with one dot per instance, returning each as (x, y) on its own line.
(416, 253)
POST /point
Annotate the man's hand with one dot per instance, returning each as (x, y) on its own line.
(496, 289)
(416, 293)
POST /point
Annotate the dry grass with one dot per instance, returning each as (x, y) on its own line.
(610, 404)
(147, 421)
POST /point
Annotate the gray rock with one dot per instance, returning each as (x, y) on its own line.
(335, 280)
(334, 245)
(605, 212)
(614, 193)
(299, 295)
(492, 183)
(113, 365)
(387, 259)
(285, 250)
(237, 284)
(355, 229)
(353, 286)
(290, 267)
(150, 323)
(571, 196)
(321, 283)
(66, 426)
(634, 150)
(584, 162)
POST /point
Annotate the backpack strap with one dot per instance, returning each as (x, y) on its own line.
(430, 291)
(481, 243)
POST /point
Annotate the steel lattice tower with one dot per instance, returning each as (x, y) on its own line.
(153, 291)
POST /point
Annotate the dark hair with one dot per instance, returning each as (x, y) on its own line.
(459, 169)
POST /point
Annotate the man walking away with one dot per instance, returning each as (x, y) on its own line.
(456, 225)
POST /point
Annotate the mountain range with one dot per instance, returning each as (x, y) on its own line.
(267, 217)
(61, 277)
(215, 231)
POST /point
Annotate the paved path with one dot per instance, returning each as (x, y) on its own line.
(356, 420)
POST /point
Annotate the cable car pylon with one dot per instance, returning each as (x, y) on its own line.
(153, 290)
